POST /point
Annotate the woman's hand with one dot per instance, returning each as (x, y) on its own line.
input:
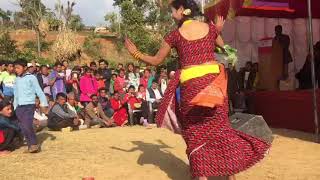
(220, 23)
(130, 46)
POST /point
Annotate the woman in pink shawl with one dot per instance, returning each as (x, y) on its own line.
(88, 86)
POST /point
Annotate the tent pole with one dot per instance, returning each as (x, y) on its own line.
(310, 34)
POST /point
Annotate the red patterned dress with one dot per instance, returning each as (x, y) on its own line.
(213, 147)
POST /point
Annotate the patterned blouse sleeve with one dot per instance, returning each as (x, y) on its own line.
(171, 39)
(215, 32)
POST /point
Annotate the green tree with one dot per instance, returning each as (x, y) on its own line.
(76, 23)
(8, 47)
(92, 47)
(53, 21)
(34, 10)
(112, 20)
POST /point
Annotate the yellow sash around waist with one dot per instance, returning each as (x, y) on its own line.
(198, 71)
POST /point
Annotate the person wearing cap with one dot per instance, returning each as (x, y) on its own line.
(31, 68)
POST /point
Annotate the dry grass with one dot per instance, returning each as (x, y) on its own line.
(109, 49)
(138, 153)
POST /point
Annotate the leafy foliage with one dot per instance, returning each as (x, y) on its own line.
(32, 45)
(75, 23)
(8, 47)
(92, 47)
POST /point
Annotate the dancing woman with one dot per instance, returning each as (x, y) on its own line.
(201, 116)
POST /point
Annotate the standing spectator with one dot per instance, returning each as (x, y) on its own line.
(88, 86)
(244, 77)
(93, 66)
(9, 130)
(43, 79)
(137, 72)
(106, 72)
(57, 80)
(74, 85)
(120, 83)
(145, 78)
(99, 79)
(133, 78)
(25, 91)
(120, 66)
(95, 114)
(67, 69)
(171, 76)
(120, 115)
(7, 78)
(31, 68)
(60, 116)
(163, 80)
(113, 80)
(105, 102)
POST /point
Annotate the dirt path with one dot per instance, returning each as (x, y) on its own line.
(136, 153)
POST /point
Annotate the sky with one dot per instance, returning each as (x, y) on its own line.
(92, 12)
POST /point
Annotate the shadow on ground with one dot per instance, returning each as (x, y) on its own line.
(294, 134)
(157, 155)
(43, 136)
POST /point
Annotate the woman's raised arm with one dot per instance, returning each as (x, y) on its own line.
(153, 60)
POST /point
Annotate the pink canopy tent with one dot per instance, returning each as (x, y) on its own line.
(289, 9)
(264, 8)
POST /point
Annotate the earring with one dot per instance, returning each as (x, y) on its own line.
(187, 12)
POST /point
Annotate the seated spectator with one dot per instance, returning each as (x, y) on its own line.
(40, 119)
(60, 116)
(120, 115)
(131, 98)
(95, 114)
(73, 106)
(10, 136)
(153, 95)
(50, 101)
(141, 94)
(105, 102)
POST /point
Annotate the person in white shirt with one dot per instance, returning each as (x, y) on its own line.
(154, 95)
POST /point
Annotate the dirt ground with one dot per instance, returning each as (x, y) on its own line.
(136, 153)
